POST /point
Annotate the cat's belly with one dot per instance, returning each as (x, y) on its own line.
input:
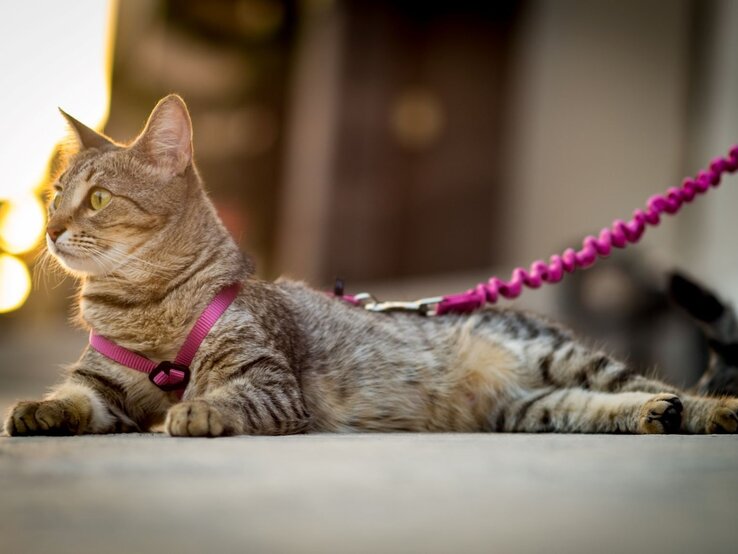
(399, 372)
(456, 390)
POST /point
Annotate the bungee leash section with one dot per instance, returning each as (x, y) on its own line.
(619, 235)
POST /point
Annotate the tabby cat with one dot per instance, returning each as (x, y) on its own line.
(134, 224)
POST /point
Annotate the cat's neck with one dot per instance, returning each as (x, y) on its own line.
(150, 306)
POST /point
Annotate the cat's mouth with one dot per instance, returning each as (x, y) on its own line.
(72, 260)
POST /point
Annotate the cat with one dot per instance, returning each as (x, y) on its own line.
(134, 224)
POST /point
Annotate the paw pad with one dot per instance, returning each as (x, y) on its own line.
(661, 414)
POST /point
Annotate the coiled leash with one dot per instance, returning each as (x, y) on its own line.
(618, 235)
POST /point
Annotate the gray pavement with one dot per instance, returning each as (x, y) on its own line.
(369, 493)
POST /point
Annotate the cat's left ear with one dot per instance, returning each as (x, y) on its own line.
(166, 141)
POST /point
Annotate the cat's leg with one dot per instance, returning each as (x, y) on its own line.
(262, 397)
(557, 359)
(702, 414)
(76, 407)
(576, 365)
(570, 363)
(574, 410)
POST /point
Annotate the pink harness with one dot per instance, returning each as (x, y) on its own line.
(170, 376)
(618, 235)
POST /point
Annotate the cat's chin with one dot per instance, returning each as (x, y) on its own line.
(79, 267)
(76, 265)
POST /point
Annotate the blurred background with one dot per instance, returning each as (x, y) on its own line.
(412, 148)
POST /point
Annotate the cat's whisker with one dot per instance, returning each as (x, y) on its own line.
(100, 260)
(112, 258)
(150, 268)
(99, 257)
(45, 265)
(131, 257)
(118, 259)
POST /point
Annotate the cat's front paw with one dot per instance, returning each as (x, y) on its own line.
(661, 414)
(724, 417)
(47, 417)
(194, 418)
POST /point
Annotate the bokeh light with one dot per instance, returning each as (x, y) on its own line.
(22, 221)
(15, 283)
(417, 118)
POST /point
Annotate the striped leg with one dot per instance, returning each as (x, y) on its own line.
(575, 365)
(704, 414)
(256, 399)
(576, 410)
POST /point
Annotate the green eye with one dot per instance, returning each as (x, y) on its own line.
(99, 198)
(56, 199)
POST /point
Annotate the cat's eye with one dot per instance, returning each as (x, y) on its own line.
(56, 200)
(99, 198)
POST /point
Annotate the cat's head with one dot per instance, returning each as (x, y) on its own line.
(114, 200)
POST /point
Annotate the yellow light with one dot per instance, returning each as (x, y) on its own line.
(21, 223)
(15, 283)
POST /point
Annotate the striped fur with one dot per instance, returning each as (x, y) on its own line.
(288, 359)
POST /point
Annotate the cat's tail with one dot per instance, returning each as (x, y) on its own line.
(720, 327)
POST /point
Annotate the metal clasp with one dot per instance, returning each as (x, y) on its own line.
(424, 306)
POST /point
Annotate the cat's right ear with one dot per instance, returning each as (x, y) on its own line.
(166, 141)
(86, 137)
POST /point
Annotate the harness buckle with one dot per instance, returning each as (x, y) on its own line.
(169, 376)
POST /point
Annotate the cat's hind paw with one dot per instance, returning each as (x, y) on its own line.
(661, 414)
(724, 418)
(194, 418)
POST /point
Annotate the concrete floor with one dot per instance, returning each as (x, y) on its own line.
(369, 493)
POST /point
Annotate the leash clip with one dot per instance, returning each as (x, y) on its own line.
(424, 306)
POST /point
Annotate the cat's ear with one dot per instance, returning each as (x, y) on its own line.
(86, 137)
(166, 141)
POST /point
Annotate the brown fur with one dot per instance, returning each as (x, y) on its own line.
(288, 359)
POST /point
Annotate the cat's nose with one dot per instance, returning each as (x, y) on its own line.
(54, 231)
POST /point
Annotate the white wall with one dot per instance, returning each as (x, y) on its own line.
(710, 228)
(599, 123)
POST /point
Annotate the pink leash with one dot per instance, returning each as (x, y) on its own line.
(170, 376)
(618, 235)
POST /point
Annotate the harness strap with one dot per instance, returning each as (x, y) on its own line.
(170, 376)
